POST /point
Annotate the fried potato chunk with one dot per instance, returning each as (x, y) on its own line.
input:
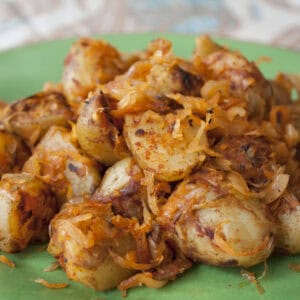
(155, 78)
(31, 117)
(169, 145)
(288, 224)
(69, 173)
(13, 153)
(97, 134)
(27, 206)
(82, 237)
(216, 226)
(121, 186)
(245, 80)
(89, 62)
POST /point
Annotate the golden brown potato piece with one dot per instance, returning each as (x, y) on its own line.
(31, 117)
(81, 237)
(60, 163)
(89, 62)
(288, 224)
(245, 80)
(27, 206)
(216, 226)
(164, 79)
(96, 133)
(154, 79)
(169, 145)
(13, 153)
(148, 81)
(121, 186)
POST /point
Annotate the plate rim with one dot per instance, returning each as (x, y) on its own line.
(151, 35)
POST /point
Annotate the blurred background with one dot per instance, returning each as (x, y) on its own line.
(275, 22)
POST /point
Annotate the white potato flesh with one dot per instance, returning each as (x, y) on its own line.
(288, 226)
(215, 226)
(116, 177)
(167, 145)
(26, 206)
(121, 186)
(81, 237)
(69, 173)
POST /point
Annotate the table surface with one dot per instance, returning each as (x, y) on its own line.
(273, 22)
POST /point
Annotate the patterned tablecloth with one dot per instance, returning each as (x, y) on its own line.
(266, 21)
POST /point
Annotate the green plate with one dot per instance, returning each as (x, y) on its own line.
(22, 72)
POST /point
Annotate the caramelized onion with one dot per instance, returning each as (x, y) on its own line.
(220, 242)
(7, 261)
(276, 187)
(139, 280)
(54, 266)
(129, 262)
(252, 278)
(50, 285)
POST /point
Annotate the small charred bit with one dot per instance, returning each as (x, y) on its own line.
(204, 231)
(172, 104)
(107, 102)
(279, 117)
(282, 251)
(140, 132)
(84, 43)
(297, 153)
(209, 232)
(72, 168)
(229, 263)
(245, 147)
(190, 83)
(111, 138)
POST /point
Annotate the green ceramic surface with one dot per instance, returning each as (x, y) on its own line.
(23, 72)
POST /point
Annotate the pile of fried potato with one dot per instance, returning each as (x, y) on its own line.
(144, 164)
